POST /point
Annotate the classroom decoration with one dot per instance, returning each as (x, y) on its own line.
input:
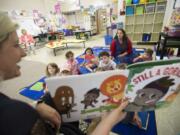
(175, 17)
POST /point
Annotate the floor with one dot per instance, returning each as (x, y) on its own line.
(33, 68)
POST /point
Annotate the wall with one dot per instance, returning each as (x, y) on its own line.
(7, 5)
(44, 6)
(86, 4)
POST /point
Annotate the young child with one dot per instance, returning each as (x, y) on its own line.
(105, 62)
(28, 41)
(72, 63)
(52, 69)
(65, 71)
(90, 61)
(147, 56)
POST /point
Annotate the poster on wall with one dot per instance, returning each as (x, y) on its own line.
(25, 20)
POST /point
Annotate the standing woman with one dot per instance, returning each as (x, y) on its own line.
(121, 48)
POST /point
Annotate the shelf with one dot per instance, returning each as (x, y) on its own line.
(162, 1)
(139, 14)
(130, 24)
(160, 12)
(141, 4)
(128, 33)
(149, 13)
(158, 23)
(130, 15)
(139, 24)
(138, 32)
(148, 23)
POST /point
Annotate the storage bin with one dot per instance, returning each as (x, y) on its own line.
(146, 37)
(150, 8)
(128, 2)
(161, 8)
(152, 1)
(129, 10)
(108, 39)
(143, 1)
(135, 1)
(139, 10)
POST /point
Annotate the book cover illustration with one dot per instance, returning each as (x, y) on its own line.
(152, 87)
(87, 96)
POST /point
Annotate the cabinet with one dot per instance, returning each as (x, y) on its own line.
(144, 18)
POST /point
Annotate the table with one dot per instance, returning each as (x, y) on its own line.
(55, 45)
(167, 41)
(79, 32)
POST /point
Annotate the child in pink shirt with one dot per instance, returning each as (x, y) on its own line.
(27, 40)
(72, 63)
(90, 61)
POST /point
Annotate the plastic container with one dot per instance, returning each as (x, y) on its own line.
(161, 8)
(108, 39)
(150, 8)
(128, 2)
(129, 10)
(135, 1)
(143, 1)
(146, 37)
(139, 10)
(152, 1)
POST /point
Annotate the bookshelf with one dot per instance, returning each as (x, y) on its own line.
(143, 19)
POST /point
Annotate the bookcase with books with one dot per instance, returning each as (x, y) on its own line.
(144, 21)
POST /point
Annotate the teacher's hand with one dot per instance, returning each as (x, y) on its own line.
(111, 119)
(50, 114)
(116, 115)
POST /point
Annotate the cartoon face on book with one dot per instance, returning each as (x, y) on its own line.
(113, 87)
(64, 100)
(162, 87)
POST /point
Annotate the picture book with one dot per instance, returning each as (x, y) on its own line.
(147, 85)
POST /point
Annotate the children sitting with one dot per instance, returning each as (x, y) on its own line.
(65, 71)
(105, 62)
(72, 63)
(52, 69)
(28, 41)
(147, 56)
(90, 61)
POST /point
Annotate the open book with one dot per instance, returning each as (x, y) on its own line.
(147, 85)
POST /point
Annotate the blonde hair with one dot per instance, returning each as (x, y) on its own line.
(6, 26)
